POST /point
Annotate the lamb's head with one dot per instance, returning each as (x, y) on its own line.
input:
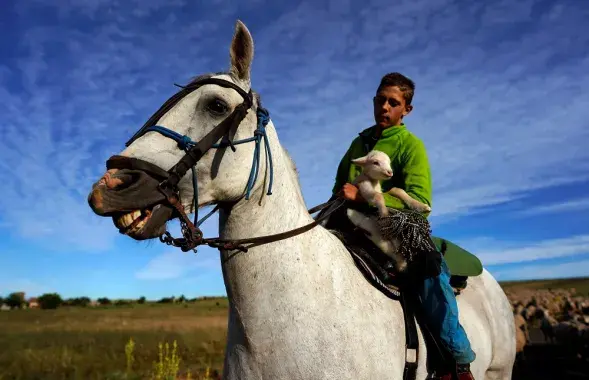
(375, 165)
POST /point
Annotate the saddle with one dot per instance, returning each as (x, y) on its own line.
(378, 269)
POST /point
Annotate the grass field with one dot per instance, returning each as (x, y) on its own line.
(581, 284)
(90, 343)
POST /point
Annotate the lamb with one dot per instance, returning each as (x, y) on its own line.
(376, 166)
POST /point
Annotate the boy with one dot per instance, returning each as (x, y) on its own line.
(412, 173)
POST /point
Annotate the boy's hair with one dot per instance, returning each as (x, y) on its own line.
(405, 84)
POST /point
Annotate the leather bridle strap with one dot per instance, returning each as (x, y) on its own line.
(194, 154)
(185, 90)
(239, 244)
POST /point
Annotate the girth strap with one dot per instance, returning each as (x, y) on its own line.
(411, 337)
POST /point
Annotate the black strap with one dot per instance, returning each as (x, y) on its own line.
(185, 90)
(131, 163)
(438, 355)
(239, 244)
(194, 154)
(202, 147)
(411, 337)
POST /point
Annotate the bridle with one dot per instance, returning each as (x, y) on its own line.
(192, 236)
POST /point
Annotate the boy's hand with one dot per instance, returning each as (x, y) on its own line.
(350, 192)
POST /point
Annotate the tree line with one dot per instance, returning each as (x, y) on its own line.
(17, 300)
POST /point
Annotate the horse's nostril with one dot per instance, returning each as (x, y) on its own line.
(122, 180)
(96, 200)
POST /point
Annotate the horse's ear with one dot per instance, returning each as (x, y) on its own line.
(241, 52)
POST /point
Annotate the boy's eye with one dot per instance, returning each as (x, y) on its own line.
(381, 100)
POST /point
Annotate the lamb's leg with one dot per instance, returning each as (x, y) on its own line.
(411, 202)
(380, 204)
(370, 227)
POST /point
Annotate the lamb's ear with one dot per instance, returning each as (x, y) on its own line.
(360, 161)
(241, 52)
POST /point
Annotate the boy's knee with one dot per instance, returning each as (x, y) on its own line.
(428, 264)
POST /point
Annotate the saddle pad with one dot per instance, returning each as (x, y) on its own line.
(460, 261)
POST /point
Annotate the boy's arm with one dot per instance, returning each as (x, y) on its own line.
(417, 178)
(343, 171)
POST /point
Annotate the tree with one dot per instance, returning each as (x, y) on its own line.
(104, 301)
(80, 301)
(50, 301)
(141, 300)
(15, 300)
(122, 302)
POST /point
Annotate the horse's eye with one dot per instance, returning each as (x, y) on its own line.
(217, 107)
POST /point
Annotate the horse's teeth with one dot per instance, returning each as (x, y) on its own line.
(139, 226)
(127, 219)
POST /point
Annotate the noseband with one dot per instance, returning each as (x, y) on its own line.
(192, 235)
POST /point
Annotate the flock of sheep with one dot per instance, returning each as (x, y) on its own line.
(561, 315)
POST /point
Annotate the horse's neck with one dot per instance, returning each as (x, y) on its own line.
(283, 210)
(269, 273)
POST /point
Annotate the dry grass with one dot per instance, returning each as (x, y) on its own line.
(89, 343)
(580, 284)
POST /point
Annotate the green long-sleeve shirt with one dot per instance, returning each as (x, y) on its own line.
(411, 171)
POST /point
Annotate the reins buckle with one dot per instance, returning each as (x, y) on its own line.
(170, 194)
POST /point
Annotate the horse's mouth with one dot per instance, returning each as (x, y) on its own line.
(143, 224)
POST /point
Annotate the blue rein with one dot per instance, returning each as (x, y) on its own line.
(185, 143)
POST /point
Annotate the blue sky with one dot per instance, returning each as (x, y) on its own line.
(501, 104)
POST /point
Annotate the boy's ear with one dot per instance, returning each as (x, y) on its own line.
(359, 161)
(408, 109)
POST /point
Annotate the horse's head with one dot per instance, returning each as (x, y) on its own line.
(184, 147)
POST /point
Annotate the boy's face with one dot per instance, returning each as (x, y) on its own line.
(390, 107)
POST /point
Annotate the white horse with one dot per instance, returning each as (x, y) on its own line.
(299, 307)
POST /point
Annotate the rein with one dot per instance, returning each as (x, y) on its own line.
(192, 236)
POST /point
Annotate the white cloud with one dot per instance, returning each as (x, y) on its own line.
(481, 106)
(574, 205)
(500, 113)
(176, 264)
(543, 271)
(30, 287)
(496, 252)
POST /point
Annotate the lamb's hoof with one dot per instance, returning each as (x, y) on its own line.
(421, 208)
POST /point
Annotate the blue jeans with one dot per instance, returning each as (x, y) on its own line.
(440, 308)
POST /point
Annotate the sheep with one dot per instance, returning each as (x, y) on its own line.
(528, 312)
(376, 166)
(522, 335)
(547, 325)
